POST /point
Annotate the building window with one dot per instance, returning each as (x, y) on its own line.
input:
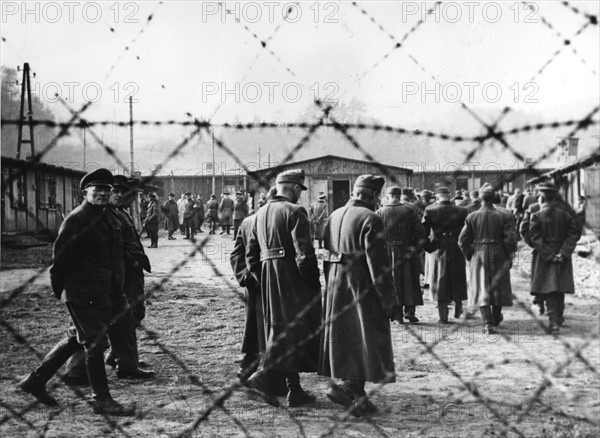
(18, 189)
(47, 191)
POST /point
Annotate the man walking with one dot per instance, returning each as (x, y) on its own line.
(87, 275)
(212, 217)
(280, 251)
(488, 241)
(360, 300)
(404, 236)
(448, 277)
(554, 233)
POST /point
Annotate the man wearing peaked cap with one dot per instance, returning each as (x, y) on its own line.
(226, 212)
(281, 254)
(292, 176)
(171, 211)
(317, 214)
(405, 236)
(488, 241)
(87, 274)
(212, 213)
(446, 270)
(151, 221)
(357, 347)
(240, 211)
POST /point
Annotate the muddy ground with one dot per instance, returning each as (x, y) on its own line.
(198, 321)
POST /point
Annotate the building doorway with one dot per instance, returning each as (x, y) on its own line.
(341, 193)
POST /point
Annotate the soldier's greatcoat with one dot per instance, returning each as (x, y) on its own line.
(447, 274)
(281, 252)
(404, 236)
(356, 342)
(488, 240)
(226, 210)
(254, 335)
(552, 230)
(152, 217)
(212, 210)
(317, 214)
(240, 209)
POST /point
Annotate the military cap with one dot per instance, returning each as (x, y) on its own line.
(372, 182)
(171, 194)
(486, 189)
(239, 193)
(153, 195)
(98, 177)
(426, 192)
(120, 181)
(225, 193)
(212, 195)
(547, 187)
(394, 190)
(442, 191)
(408, 191)
(294, 176)
(188, 193)
(322, 195)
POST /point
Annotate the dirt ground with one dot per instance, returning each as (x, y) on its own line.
(199, 318)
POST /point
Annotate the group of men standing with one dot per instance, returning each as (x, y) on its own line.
(98, 272)
(372, 268)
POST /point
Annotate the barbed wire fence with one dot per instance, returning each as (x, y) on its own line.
(326, 120)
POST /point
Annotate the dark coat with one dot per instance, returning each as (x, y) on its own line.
(212, 209)
(448, 279)
(136, 262)
(360, 298)
(240, 209)
(254, 335)
(474, 206)
(152, 217)
(489, 240)
(317, 214)
(524, 227)
(188, 213)
(88, 267)
(226, 210)
(199, 212)
(405, 236)
(171, 211)
(553, 230)
(282, 255)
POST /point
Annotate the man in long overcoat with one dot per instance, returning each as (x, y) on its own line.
(226, 211)
(281, 252)
(151, 221)
(404, 236)
(240, 211)
(448, 278)
(317, 214)
(212, 214)
(554, 233)
(87, 275)
(171, 211)
(489, 240)
(360, 300)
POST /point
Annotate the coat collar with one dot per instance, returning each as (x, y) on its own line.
(357, 203)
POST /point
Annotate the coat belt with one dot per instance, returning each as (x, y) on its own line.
(274, 253)
(484, 241)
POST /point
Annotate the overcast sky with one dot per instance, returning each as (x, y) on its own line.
(191, 53)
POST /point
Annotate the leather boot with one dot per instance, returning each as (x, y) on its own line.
(488, 320)
(552, 303)
(97, 376)
(443, 311)
(561, 308)
(497, 316)
(34, 385)
(296, 395)
(410, 314)
(458, 309)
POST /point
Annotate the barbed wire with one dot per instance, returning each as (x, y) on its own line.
(325, 120)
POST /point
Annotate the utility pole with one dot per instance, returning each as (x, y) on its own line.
(131, 135)
(84, 147)
(212, 134)
(26, 88)
(259, 165)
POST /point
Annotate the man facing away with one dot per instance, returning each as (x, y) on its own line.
(360, 300)
(317, 214)
(554, 233)
(171, 211)
(488, 241)
(448, 277)
(405, 236)
(281, 253)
